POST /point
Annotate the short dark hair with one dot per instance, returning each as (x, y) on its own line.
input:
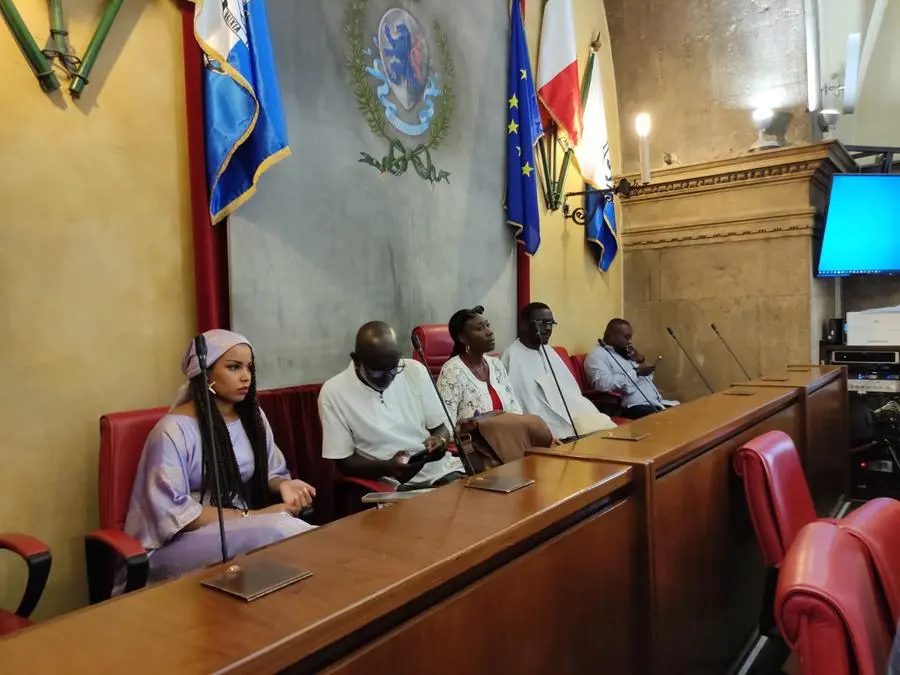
(528, 310)
(457, 325)
(615, 323)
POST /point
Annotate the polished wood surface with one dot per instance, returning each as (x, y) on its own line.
(566, 608)
(824, 441)
(704, 573)
(373, 573)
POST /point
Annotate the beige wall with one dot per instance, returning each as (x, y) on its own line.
(95, 270)
(563, 273)
(700, 67)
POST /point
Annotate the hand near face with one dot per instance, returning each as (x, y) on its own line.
(296, 495)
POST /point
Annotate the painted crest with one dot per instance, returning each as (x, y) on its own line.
(399, 90)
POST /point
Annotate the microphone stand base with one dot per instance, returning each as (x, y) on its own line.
(502, 484)
(254, 579)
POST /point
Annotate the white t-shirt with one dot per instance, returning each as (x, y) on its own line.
(356, 418)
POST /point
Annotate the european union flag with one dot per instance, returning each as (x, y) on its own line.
(523, 130)
(601, 229)
(245, 127)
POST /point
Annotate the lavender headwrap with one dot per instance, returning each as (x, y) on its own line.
(218, 341)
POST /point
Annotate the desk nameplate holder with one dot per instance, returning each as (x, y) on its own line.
(739, 392)
(255, 579)
(502, 484)
(773, 379)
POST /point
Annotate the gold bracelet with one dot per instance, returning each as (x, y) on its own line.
(245, 513)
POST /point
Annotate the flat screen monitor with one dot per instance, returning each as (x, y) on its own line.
(862, 229)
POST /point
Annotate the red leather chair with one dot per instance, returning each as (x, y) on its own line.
(436, 343)
(779, 502)
(828, 607)
(37, 557)
(606, 402)
(876, 524)
(122, 437)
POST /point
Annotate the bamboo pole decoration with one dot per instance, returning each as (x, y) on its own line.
(36, 59)
(80, 79)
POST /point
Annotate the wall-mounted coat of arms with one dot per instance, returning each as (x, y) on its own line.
(403, 87)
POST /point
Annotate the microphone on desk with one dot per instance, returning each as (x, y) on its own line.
(733, 355)
(543, 348)
(688, 356)
(625, 373)
(461, 453)
(200, 349)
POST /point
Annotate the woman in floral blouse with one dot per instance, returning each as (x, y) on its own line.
(472, 382)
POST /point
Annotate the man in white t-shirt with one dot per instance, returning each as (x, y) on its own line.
(381, 411)
(535, 370)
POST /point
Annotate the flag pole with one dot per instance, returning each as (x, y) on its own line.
(585, 87)
(36, 59)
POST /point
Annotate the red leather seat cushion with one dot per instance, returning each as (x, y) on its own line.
(777, 493)
(828, 607)
(437, 345)
(10, 623)
(578, 365)
(122, 438)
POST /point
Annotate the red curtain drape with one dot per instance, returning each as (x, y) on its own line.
(293, 414)
(210, 243)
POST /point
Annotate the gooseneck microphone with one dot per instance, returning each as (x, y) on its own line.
(688, 356)
(733, 355)
(461, 452)
(625, 373)
(200, 349)
(543, 348)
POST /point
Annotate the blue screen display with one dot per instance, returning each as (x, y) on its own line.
(862, 230)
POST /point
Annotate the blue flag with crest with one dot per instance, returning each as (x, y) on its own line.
(523, 130)
(245, 128)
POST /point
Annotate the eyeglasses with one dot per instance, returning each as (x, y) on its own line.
(393, 372)
(546, 323)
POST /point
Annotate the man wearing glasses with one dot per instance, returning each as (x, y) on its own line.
(381, 418)
(529, 361)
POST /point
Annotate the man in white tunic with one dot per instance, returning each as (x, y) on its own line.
(529, 361)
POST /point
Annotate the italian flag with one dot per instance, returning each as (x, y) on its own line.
(558, 86)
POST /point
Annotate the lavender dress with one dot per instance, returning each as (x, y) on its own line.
(166, 492)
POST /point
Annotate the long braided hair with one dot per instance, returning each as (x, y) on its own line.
(255, 493)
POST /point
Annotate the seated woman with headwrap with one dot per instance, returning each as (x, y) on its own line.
(472, 382)
(172, 512)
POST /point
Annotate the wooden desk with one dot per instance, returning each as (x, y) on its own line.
(456, 581)
(824, 441)
(705, 573)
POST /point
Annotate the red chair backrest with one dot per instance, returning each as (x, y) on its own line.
(777, 493)
(578, 371)
(437, 345)
(827, 606)
(564, 355)
(122, 438)
(876, 524)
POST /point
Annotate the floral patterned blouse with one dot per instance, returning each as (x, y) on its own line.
(467, 396)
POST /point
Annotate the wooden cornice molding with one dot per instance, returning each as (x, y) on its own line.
(763, 195)
(802, 162)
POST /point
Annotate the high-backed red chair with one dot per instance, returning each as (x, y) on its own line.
(436, 343)
(876, 524)
(122, 437)
(606, 402)
(779, 503)
(37, 557)
(828, 606)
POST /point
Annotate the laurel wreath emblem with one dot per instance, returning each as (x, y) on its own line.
(398, 158)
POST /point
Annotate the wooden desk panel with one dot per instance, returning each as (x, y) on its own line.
(565, 608)
(824, 441)
(708, 571)
(705, 573)
(376, 569)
